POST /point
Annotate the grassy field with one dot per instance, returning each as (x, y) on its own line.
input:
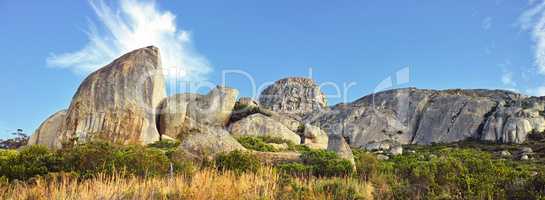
(266, 183)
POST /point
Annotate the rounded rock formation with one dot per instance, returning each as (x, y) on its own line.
(173, 114)
(118, 102)
(48, 132)
(293, 96)
(261, 125)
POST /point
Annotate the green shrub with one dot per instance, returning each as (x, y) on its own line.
(165, 144)
(256, 143)
(182, 163)
(366, 165)
(298, 147)
(275, 140)
(141, 161)
(237, 161)
(319, 163)
(30, 161)
(452, 173)
(340, 189)
(103, 157)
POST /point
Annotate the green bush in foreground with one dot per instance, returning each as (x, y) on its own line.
(237, 161)
(29, 162)
(319, 163)
(103, 157)
(366, 165)
(453, 173)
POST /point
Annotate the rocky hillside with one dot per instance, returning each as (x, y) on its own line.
(416, 116)
(125, 102)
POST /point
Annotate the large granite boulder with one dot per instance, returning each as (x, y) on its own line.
(338, 144)
(205, 142)
(173, 114)
(293, 96)
(215, 108)
(261, 125)
(118, 102)
(315, 137)
(48, 133)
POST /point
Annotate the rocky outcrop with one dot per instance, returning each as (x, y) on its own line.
(338, 145)
(293, 96)
(215, 108)
(205, 142)
(261, 125)
(315, 137)
(415, 116)
(124, 102)
(173, 114)
(118, 102)
(48, 132)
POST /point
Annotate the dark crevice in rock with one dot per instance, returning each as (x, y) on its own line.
(486, 118)
(455, 117)
(419, 114)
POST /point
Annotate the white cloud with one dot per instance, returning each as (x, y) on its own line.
(135, 24)
(533, 20)
(507, 79)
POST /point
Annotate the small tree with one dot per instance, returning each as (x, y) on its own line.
(20, 139)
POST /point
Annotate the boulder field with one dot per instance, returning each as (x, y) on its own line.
(125, 102)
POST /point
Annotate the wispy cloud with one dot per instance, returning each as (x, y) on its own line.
(533, 20)
(130, 25)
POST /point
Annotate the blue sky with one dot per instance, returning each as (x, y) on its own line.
(444, 44)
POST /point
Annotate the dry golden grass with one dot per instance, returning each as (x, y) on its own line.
(203, 184)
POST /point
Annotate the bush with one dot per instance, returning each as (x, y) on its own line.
(317, 188)
(237, 161)
(103, 157)
(319, 163)
(30, 161)
(165, 144)
(453, 173)
(343, 189)
(366, 165)
(256, 143)
(141, 161)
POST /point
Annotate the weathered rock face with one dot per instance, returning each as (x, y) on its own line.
(293, 96)
(202, 141)
(215, 108)
(118, 102)
(338, 144)
(414, 116)
(315, 137)
(173, 113)
(261, 125)
(48, 133)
